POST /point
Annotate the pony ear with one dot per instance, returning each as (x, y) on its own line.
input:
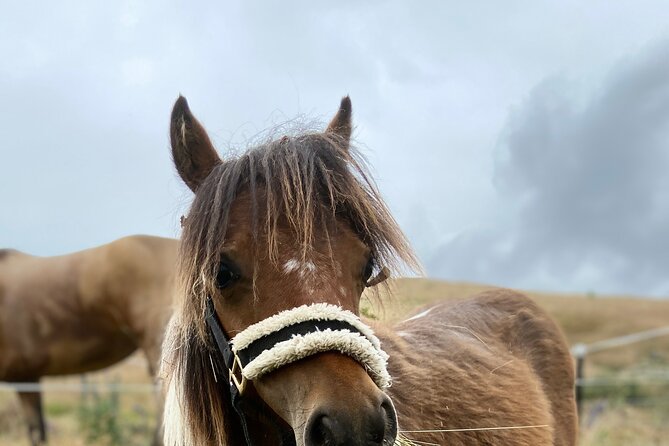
(194, 154)
(341, 123)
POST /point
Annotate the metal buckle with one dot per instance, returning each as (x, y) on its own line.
(236, 374)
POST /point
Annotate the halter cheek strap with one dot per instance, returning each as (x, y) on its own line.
(227, 369)
(289, 336)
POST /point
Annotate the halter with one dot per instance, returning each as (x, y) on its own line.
(287, 337)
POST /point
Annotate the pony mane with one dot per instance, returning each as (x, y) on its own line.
(307, 182)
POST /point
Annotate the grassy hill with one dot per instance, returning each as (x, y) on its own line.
(613, 416)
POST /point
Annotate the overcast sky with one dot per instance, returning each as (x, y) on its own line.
(523, 144)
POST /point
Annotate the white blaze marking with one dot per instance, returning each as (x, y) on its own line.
(303, 269)
(290, 266)
(309, 266)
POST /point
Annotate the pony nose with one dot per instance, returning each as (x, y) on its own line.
(351, 427)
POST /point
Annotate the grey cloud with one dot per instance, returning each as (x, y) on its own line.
(586, 170)
(87, 90)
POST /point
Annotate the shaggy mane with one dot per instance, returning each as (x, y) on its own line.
(307, 181)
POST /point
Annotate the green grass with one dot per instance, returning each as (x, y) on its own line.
(58, 409)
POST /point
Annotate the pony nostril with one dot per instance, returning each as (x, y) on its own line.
(320, 431)
(390, 430)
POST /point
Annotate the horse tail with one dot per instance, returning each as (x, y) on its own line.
(196, 406)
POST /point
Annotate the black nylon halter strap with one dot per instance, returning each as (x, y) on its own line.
(220, 338)
(227, 355)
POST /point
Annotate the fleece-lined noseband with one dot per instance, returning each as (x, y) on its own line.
(289, 336)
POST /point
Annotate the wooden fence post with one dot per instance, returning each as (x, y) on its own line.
(579, 351)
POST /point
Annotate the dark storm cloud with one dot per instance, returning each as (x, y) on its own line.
(585, 171)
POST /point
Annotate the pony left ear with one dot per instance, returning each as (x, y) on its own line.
(194, 154)
(341, 123)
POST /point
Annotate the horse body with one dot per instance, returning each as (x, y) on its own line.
(495, 360)
(82, 312)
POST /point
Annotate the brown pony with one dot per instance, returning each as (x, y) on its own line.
(82, 312)
(297, 221)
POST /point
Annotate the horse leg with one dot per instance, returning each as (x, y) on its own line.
(152, 354)
(31, 404)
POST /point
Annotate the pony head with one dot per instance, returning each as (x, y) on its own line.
(289, 224)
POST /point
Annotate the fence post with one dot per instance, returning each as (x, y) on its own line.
(579, 351)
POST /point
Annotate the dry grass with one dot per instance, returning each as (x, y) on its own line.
(627, 425)
(610, 422)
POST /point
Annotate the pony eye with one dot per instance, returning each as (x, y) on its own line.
(225, 276)
(369, 269)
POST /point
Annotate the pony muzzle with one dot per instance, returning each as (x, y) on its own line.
(374, 426)
(342, 406)
(355, 411)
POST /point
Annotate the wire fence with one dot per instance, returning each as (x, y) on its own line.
(632, 389)
(107, 408)
(80, 387)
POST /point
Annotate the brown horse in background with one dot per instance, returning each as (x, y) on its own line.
(294, 225)
(82, 312)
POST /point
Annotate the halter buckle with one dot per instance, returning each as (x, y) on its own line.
(236, 374)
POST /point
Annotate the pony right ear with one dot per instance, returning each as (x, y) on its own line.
(194, 154)
(341, 123)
